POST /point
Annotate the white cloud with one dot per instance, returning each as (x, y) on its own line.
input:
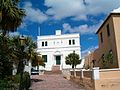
(90, 38)
(11, 34)
(82, 29)
(101, 6)
(78, 9)
(64, 8)
(34, 14)
(91, 49)
(23, 25)
(116, 10)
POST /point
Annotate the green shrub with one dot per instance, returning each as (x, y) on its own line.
(14, 81)
(16, 78)
(26, 80)
(5, 84)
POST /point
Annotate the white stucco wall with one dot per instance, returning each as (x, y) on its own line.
(58, 45)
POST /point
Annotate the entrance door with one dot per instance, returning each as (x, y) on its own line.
(58, 60)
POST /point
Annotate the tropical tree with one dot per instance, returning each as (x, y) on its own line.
(25, 50)
(10, 18)
(37, 60)
(5, 62)
(73, 59)
(10, 15)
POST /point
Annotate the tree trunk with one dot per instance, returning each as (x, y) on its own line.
(0, 16)
(20, 67)
(74, 73)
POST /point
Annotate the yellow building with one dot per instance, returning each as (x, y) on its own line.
(89, 61)
(108, 42)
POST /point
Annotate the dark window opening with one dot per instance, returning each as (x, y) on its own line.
(108, 30)
(44, 58)
(73, 42)
(101, 37)
(46, 43)
(103, 58)
(42, 43)
(69, 42)
(110, 52)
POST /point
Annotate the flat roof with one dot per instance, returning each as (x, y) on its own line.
(75, 35)
(112, 13)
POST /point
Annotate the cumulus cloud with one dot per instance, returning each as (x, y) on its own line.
(79, 9)
(23, 25)
(116, 10)
(82, 29)
(90, 49)
(11, 34)
(64, 8)
(34, 14)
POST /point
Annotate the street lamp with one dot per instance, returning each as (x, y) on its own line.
(0, 16)
(22, 42)
(0, 20)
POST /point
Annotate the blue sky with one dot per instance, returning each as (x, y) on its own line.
(71, 16)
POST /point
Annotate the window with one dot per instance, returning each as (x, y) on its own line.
(101, 37)
(110, 56)
(103, 57)
(42, 43)
(108, 30)
(44, 58)
(110, 52)
(73, 41)
(69, 42)
(46, 43)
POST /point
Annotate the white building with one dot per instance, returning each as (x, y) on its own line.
(54, 49)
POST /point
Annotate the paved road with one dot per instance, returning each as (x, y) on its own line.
(52, 82)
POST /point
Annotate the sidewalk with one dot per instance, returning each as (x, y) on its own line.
(52, 82)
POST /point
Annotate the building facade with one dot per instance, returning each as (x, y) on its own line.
(109, 42)
(54, 49)
(89, 60)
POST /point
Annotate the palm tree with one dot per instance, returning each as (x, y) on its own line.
(73, 59)
(5, 52)
(32, 55)
(11, 15)
(26, 52)
(37, 60)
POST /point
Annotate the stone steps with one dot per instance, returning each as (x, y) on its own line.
(52, 72)
(55, 70)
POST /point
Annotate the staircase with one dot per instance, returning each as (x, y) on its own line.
(55, 70)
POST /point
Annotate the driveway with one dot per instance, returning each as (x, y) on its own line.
(52, 82)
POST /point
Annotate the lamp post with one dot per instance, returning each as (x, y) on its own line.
(0, 16)
(22, 42)
(0, 19)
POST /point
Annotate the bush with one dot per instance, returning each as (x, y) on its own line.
(14, 82)
(4, 84)
(26, 80)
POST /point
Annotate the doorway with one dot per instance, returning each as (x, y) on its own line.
(58, 60)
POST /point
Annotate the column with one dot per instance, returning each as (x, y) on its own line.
(95, 73)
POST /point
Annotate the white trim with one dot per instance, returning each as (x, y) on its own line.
(113, 69)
